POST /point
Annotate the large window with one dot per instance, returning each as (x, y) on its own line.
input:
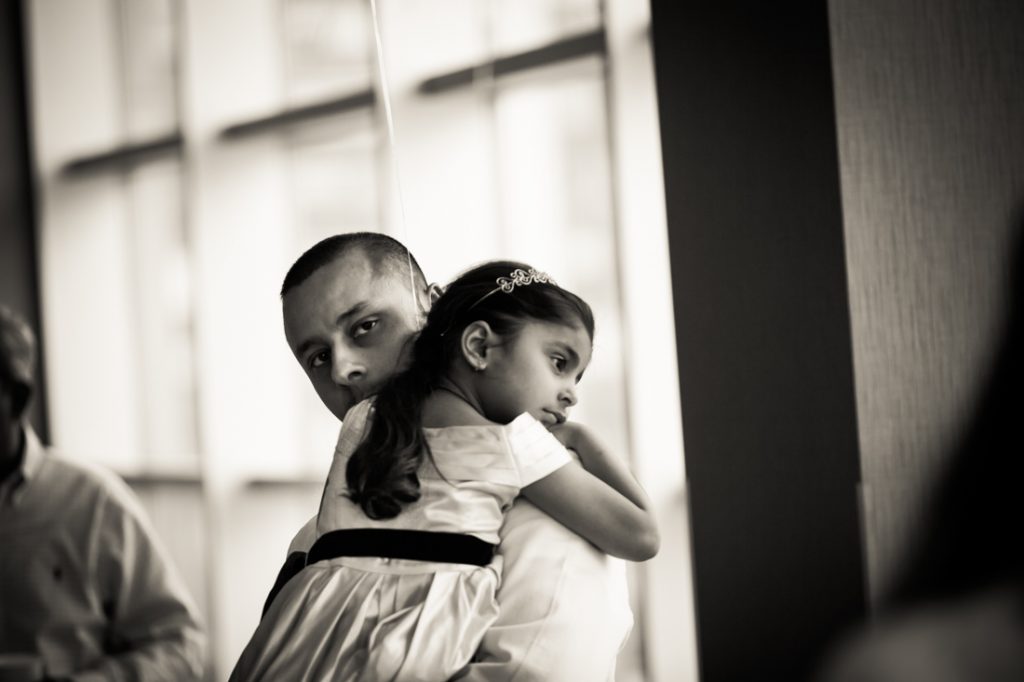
(189, 151)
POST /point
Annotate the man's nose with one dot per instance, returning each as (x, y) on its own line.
(347, 371)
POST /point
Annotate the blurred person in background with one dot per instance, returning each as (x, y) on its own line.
(351, 304)
(956, 611)
(87, 593)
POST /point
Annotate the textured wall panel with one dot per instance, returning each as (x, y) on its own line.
(930, 113)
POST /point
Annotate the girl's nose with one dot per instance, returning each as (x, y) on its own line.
(568, 396)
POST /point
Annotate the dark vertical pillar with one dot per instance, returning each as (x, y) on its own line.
(765, 360)
(19, 284)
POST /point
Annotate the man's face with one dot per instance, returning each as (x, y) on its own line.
(348, 327)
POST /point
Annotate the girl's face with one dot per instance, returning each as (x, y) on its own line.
(535, 371)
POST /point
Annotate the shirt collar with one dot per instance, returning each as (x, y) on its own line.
(12, 488)
(34, 455)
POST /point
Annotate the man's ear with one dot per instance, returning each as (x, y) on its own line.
(477, 338)
(434, 292)
(428, 297)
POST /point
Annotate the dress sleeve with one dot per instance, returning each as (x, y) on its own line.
(352, 428)
(535, 451)
(332, 503)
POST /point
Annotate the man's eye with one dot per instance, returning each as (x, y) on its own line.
(364, 327)
(558, 361)
(320, 359)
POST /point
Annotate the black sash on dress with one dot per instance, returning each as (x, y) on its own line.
(394, 543)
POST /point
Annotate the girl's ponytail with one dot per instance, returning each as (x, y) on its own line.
(381, 473)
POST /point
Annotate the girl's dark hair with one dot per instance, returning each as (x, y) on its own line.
(381, 473)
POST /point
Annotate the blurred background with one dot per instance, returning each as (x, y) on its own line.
(186, 152)
(792, 221)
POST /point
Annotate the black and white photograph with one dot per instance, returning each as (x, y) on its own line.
(511, 341)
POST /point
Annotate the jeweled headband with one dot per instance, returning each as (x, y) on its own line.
(522, 278)
(517, 278)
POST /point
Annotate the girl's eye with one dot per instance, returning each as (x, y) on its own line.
(320, 359)
(364, 327)
(558, 361)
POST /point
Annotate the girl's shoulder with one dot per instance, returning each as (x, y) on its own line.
(515, 454)
(522, 434)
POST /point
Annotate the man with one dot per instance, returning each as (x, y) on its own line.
(351, 304)
(84, 585)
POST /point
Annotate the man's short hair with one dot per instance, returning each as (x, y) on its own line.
(17, 348)
(386, 255)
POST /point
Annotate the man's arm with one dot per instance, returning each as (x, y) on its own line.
(153, 629)
(295, 561)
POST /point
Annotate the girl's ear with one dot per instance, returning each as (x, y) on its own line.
(477, 337)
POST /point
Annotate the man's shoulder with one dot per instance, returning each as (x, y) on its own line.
(304, 538)
(83, 478)
(82, 471)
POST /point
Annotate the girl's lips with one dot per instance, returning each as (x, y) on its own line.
(559, 417)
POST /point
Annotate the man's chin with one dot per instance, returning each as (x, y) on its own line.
(339, 412)
(339, 407)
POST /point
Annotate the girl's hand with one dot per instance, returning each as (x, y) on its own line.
(567, 433)
(582, 442)
(600, 500)
(570, 435)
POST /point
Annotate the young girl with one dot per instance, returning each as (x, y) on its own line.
(401, 583)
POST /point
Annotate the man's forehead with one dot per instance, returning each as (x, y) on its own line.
(351, 275)
(336, 288)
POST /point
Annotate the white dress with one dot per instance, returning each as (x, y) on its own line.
(373, 619)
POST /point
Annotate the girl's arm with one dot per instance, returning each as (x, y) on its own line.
(600, 462)
(600, 500)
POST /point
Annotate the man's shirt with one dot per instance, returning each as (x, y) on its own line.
(84, 584)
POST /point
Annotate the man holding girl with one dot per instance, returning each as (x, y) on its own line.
(352, 305)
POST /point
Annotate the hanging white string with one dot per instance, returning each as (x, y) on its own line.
(385, 92)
